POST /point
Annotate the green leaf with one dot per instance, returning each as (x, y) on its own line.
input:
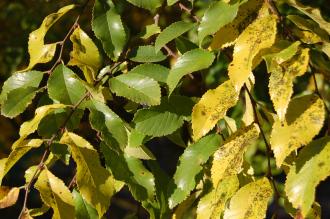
(136, 87)
(146, 54)
(150, 5)
(250, 202)
(94, 182)
(19, 148)
(310, 168)
(216, 16)
(157, 72)
(8, 196)
(228, 159)
(304, 120)
(171, 32)
(163, 119)
(31, 126)
(65, 86)
(55, 194)
(20, 80)
(135, 147)
(190, 165)
(191, 61)
(17, 101)
(212, 107)
(184, 45)
(213, 203)
(38, 50)
(109, 29)
(82, 208)
(149, 31)
(171, 2)
(85, 54)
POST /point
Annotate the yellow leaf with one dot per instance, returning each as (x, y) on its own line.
(227, 35)
(304, 120)
(94, 182)
(281, 81)
(257, 36)
(228, 158)
(306, 36)
(183, 209)
(31, 126)
(248, 116)
(212, 107)
(55, 194)
(8, 196)
(38, 50)
(250, 202)
(213, 203)
(85, 54)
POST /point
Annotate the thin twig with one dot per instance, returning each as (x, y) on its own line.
(170, 52)
(189, 11)
(72, 182)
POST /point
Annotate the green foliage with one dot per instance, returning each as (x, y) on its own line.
(243, 89)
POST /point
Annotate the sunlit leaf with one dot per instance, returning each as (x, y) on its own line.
(304, 120)
(150, 30)
(306, 36)
(83, 210)
(150, 5)
(171, 2)
(248, 116)
(250, 202)
(8, 196)
(154, 71)
(85, 54)
(146, 54)
(55, 194)
(94, 182)
(212, 107)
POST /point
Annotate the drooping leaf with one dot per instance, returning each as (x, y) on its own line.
(163, 119)
(257, 36)
(154, 71)
(250, 202)
(8, 196)
(94, 182)
(228, 159)
(212, 107)
(19, 148)
(248, 116)
(150, 30)
(213, 203)
(150, 5)
(310, 168)
(306, 36)
(55, 194)
(38, 50)
(65, 86)
(85, 54)
(189, 166)
(135, 147)
(216, 16)
(83, 210)
(136, 87)
(146, 54)
(31, 126)
(109, 29)
(171, 2)
(171, 32)
(191, 61)
(304, 120)
(34, 212)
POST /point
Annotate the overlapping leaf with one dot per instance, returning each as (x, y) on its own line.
(150, 5)
(8, 196)
(157, 72)
(83, 210)
(146, 54)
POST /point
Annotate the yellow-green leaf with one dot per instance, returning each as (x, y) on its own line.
(8, 196)
(55, 194)
(212, 107)
(248, 116)
(228, 158)
(94, 182)
(38, 50)
(250, 202)
(31, 126)
(311, 167)
(304, 120)
(257, 36)
(213, 203)
(85, 54)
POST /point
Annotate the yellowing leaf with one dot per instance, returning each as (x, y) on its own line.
(281, 81)
(304, 120)
(257, 36)
(250, 202)
(311, 167)
(212, 107)
(8, 196)
(213, 203)
(248, 116)
(94, 181)
(306, 36)
(38, 50)
(228, 158)
(85, 54)
(31, 126)
(19, 148)
(55, 194)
